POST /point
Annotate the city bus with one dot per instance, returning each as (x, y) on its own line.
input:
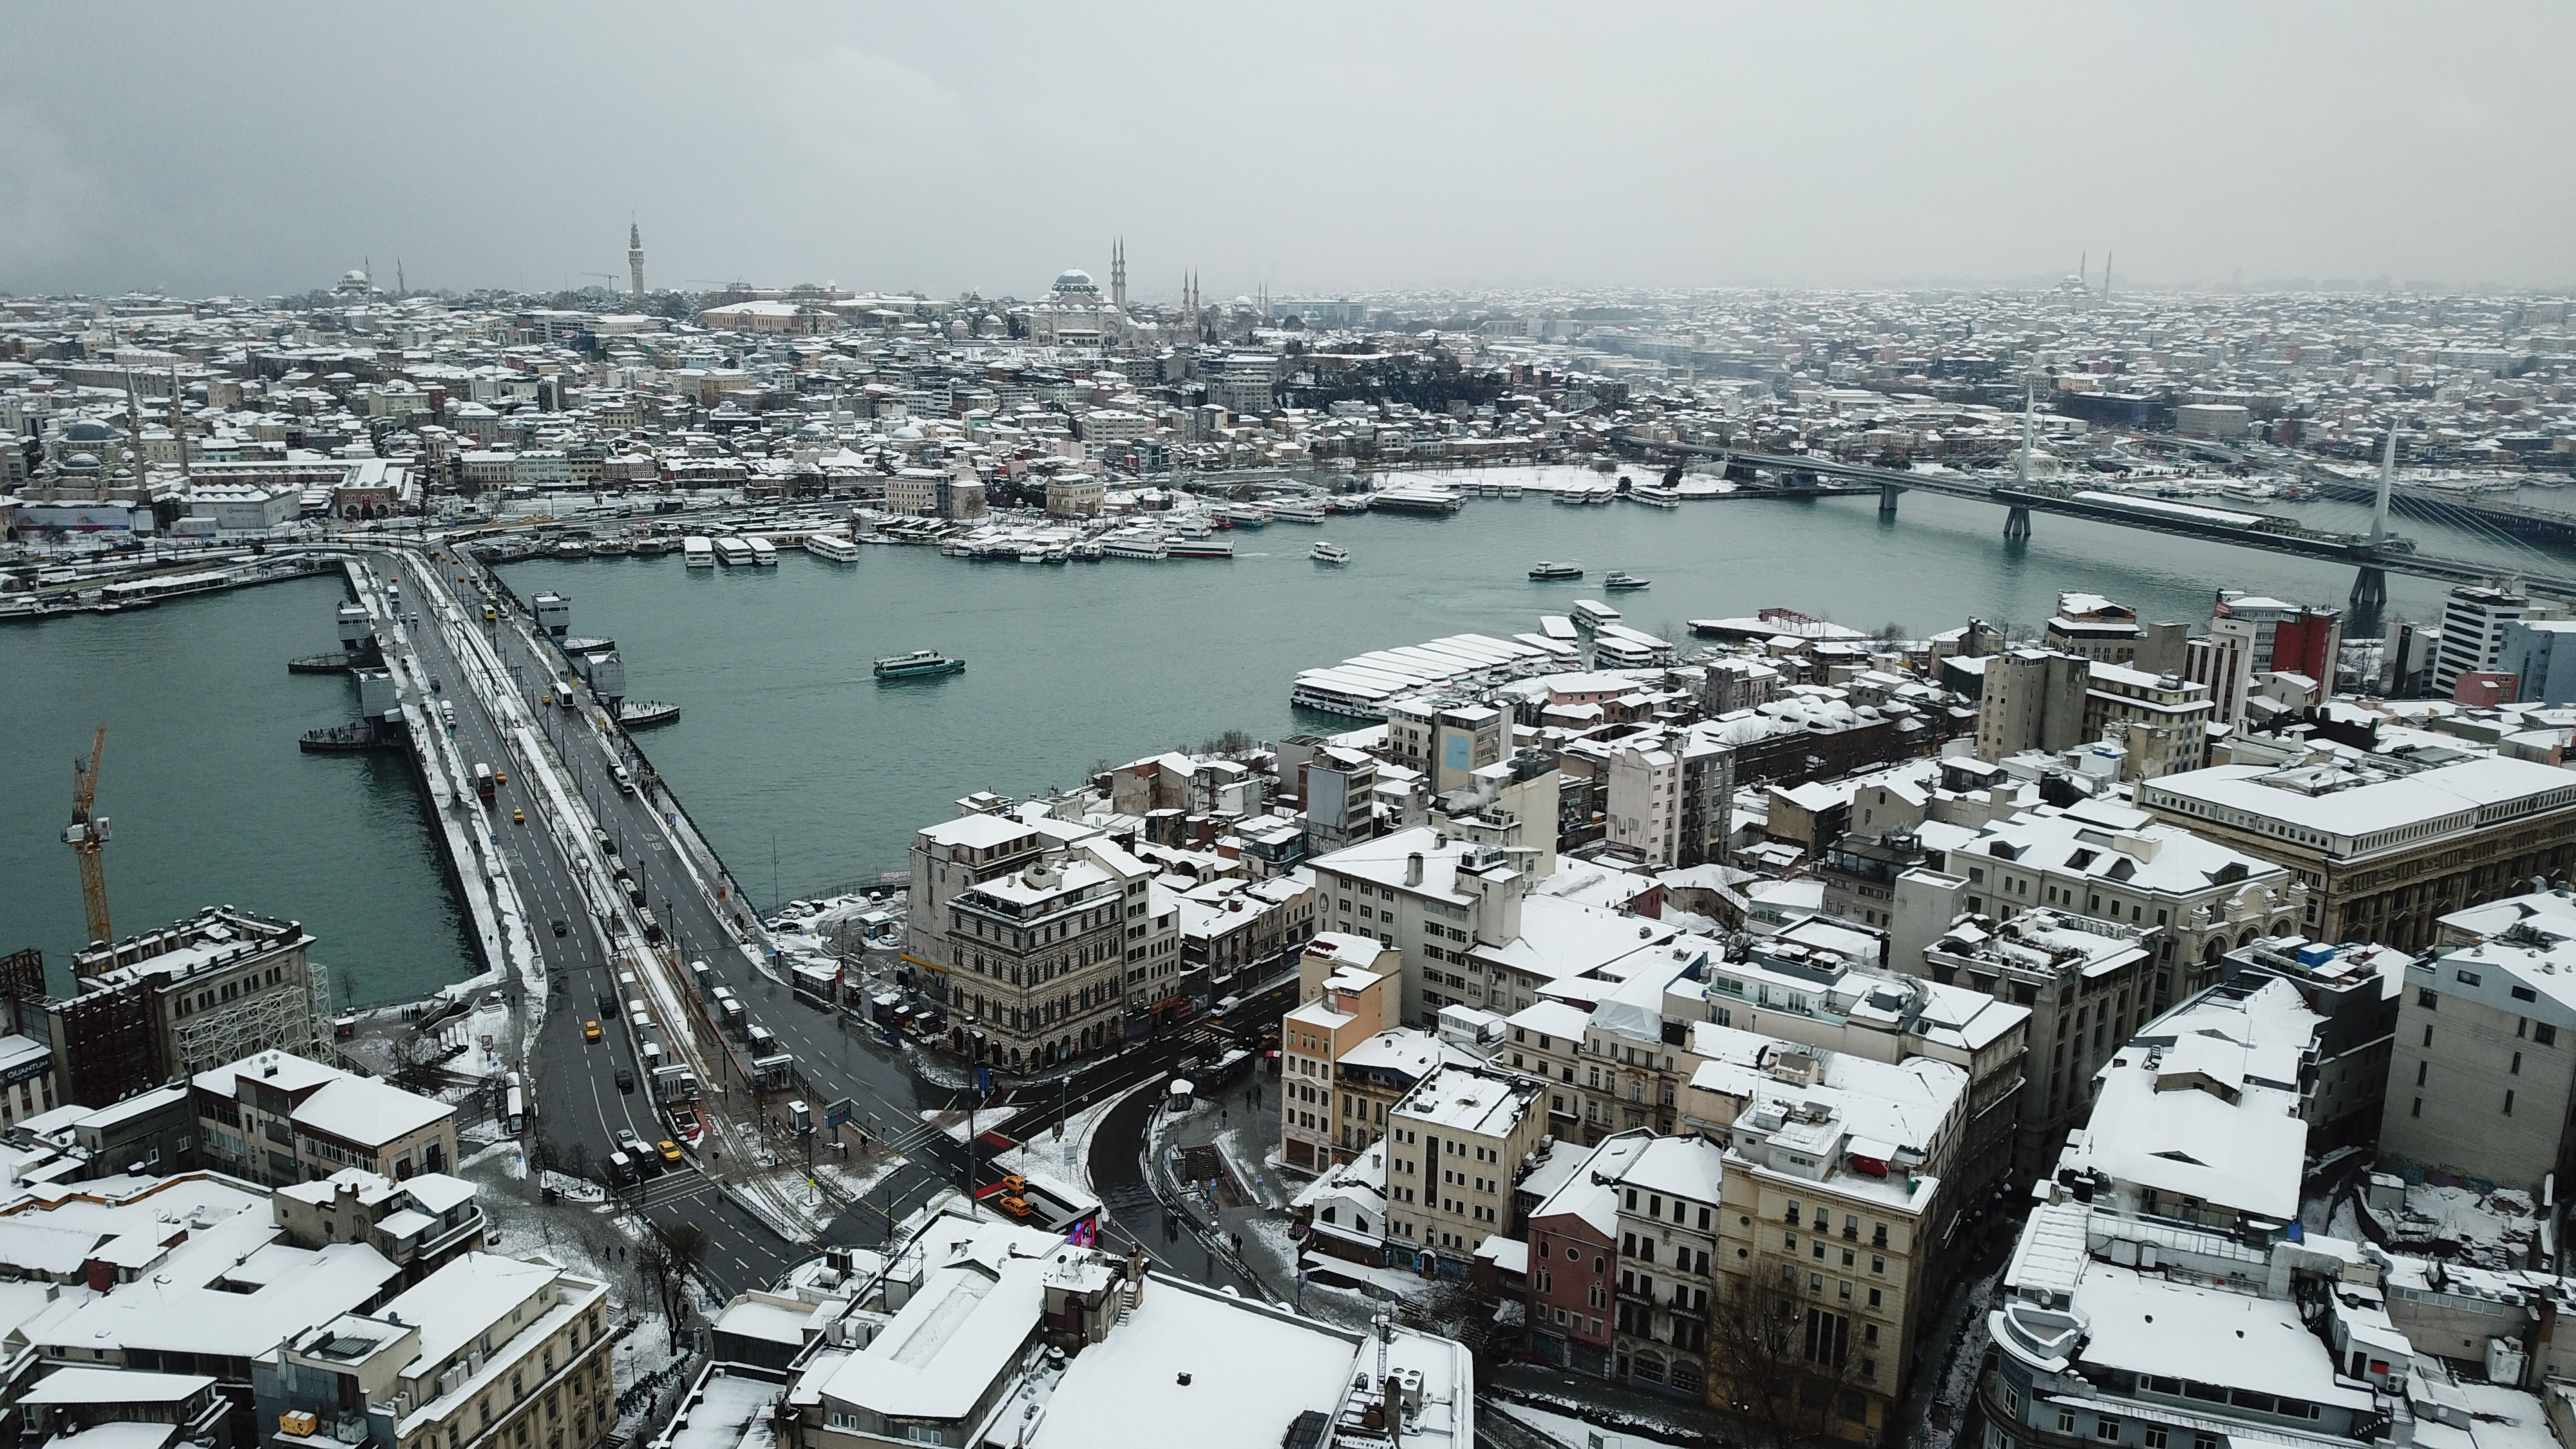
(483, 782)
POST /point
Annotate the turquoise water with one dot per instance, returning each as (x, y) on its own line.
(211, 801)
(809, 775)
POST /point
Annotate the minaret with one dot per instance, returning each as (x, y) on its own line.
(635, 256)
(2106, 274)
(1118, 274)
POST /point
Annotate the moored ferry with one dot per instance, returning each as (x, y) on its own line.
(831, 546)
(733, 553)
(698, 551)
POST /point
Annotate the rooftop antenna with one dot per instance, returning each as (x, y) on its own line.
(2387, 483)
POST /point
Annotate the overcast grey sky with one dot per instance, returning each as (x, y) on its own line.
(1313, 147)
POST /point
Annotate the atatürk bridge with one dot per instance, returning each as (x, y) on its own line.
(2373, 556)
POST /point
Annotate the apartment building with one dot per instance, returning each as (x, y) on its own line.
(1338, 788)
(419, 1224)
(1349, 1004)
(222, 985)
(2092, 627)
(1433, 897)
(277, 1119)
(2474, 621)
(1804, 992)
(1645, 806)
(486, 1353)
(1233, 930)
(2031, 699)
(1669, 1196)
(1837, 1228)
(2385, 845)
(2194, 898)
(1454, 1147)
(953, 856)
(1573, 1238)
(2353, 991)
(2087, 985)
(2230, 1358)
(1040, 959)
(1446, 744)
(2482, 1069)
(2160, 721)
(2197, 1118)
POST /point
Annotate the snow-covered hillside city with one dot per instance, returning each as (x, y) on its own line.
(1041, 865)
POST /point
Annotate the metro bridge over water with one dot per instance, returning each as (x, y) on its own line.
(2373, 556)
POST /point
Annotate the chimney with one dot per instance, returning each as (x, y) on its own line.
(1413, 869)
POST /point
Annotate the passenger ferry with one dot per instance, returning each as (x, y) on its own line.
(1416, 498)
(1547, 573)
(1617, 580)
(1202, 548)
(1143, 546)
(1298, 510)
(650, 547)
(1656, 497)
(1593, 614)
(733, 553)
(698, 551)
(1245, 515)
(1089, 551)
(1329, 553)
(831, 546)
(1347, 503)
(764, 554)
(919, 664)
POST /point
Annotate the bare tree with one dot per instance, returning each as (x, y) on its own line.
(1791, 1368)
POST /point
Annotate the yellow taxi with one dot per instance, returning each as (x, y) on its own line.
(590, 1031)
(670, 1151)
(518, 817)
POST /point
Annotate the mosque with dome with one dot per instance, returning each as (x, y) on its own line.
(1076, 313)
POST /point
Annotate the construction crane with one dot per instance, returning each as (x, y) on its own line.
(87, 836)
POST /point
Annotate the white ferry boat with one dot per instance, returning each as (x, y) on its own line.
(1654, 497)
(1135, 546)
(1347, 503)
(698, 551)
(1329, 553)
(733, 552)
(1298, 510)
(1202, 548)
(1620, 579)
(1593, 614)
(1550, 572)
(1245, 515)
(831, 546)
(764, 554)
(1416, 498)
(1511, 490)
